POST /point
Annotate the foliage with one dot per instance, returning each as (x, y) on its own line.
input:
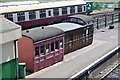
(101, 5)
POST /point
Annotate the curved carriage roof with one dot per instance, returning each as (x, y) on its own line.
(38, 34)
(85, 18)
(66, 26)
(40, 6)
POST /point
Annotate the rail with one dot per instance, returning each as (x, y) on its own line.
(103, 77)
(86, 71)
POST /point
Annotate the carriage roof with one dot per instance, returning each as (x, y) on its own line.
(38, 34)
(66, 26)
(85, 18)
(40, 6)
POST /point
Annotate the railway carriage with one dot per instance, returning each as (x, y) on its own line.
(79, 19)
(41, 47)
(44, 13)
(76, 36)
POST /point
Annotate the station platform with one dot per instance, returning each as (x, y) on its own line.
(104, 40)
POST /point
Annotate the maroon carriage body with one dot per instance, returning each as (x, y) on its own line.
(41, 47)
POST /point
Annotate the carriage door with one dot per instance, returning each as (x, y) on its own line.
(87, 35)
(70, 41)
(49, 55)
(84, 37)
(36, 59)
(42, 56)
(49, 13)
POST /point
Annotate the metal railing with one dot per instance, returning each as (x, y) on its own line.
(103, 20)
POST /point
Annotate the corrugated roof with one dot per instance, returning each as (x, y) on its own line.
(85, 18)
(40, 6)
(38, 34)
(6, 25)
(66, 26)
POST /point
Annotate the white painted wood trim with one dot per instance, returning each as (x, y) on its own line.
(37, 15)
(83, 6)
(15, 19)
(76, 9)
(26, 16)
(60, 11)
(68, 10)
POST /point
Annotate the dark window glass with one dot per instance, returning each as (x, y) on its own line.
(57, 45)
(42, 13)
(81, 22)
(84, 8)
(52, 46)
(61, 43)
(42, 50)
(32, 15)
(36, 51)
(80, 8)
(49, 13)
(56, 11)
(64, 10)
(21, 16)
(47, 48)
(9, 16)
(84, 32)
(73, 20)
(72, 9)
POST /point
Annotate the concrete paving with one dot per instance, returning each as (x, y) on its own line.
(104, 40)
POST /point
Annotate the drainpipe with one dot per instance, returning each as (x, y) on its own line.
(16, 61)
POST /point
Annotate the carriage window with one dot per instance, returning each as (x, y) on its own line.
(87, 31)
(73, 20)
(72, 9)
(56, 11)
(21, 16)
(84, 8)
(32, 15)
(81, 22)
(49, 13)
(42, 50)
(36, 51)
(64, 10)
(57, 45)
(42, 13)
(84, 31)
(61, 43)
(52, 46)
(47, 48)
(9, 16)
(80, 8)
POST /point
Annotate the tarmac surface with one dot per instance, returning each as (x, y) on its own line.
(104, 40)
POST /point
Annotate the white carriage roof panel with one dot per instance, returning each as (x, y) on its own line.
(40, 6)
(9, 31)
(66, 26)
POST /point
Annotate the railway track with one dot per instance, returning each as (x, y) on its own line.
(113, 73)
(88, 71)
